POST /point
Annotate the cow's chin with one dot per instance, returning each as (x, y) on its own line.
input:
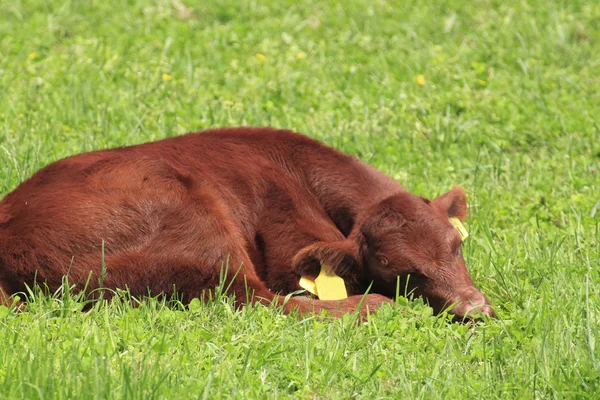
(406, 286)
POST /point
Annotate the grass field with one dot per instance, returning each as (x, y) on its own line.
(501, 97)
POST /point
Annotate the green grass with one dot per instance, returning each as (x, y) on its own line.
(510, 110)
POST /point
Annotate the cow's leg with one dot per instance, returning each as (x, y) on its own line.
(195, 276)
(190, 254)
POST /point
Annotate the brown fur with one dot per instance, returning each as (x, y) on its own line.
(269, 204)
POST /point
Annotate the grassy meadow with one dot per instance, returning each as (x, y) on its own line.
(501, 97)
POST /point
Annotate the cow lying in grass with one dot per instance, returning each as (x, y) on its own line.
(271, 205)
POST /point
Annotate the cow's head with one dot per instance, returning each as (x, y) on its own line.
(410, 239)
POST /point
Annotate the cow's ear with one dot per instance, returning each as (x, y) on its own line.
(341, 256)
(453, 203)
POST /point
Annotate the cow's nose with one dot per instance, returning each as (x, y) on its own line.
(475, 305)
(486, 310)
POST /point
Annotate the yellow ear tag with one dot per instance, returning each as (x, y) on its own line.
(327, 286)
(308, 285)
(459, 227)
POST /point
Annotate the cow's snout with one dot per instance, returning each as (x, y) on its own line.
(473, 305)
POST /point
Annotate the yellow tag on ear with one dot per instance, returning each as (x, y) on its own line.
(308, 285)
(459, 227)
(327, 286)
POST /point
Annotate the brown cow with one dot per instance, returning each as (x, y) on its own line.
(271, 205)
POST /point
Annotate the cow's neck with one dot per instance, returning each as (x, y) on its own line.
(347, 187)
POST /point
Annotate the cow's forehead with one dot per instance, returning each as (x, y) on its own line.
(431, 225)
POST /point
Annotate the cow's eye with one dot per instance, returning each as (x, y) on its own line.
(459, 251)
(383, 261)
